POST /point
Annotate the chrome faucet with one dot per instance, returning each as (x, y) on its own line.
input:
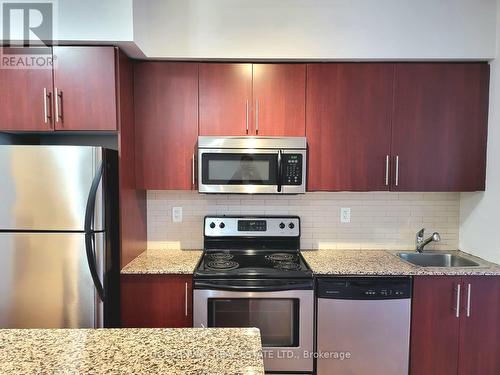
(420, 242)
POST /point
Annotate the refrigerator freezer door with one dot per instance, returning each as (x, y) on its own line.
(45, 281)
(47, 187)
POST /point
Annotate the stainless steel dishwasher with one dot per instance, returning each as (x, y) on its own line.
(363, 325)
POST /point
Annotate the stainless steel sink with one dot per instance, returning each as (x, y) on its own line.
(437, 260)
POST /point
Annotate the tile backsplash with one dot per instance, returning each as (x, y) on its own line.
(383, 220)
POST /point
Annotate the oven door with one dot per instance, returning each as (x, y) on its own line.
(249, 171)
(285, 319)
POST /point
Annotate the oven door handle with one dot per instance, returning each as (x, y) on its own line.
(306, 285)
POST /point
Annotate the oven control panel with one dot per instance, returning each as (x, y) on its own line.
(226, 226)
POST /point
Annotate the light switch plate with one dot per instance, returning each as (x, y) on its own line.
(177, 214)
(345, 215)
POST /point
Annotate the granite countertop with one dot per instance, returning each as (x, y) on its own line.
(164, 261)
(385, 262)
(322, 262)
(131, 351)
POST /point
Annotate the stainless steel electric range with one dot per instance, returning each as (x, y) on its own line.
(253, 275)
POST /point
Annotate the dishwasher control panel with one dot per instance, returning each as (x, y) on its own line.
(364, 288)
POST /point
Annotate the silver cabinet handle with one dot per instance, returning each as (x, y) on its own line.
(192, 171)
(256, 116)
(246, 116)
(397, 170)
(186, 299)
(45, 107)
(457, 309)
(58, 95)
(387, 170)
(468, 299)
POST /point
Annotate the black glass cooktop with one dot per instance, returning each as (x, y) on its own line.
(248, 263)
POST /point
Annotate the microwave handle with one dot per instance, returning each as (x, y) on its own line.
(279, 172)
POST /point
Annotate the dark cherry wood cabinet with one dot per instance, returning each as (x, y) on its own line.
(85, 88)
(79, 93)
(434, 326)
(399, 127)
(26, 97)
(279, 99)
(439, 126)
(226, 99)
(445, 340)
(133, 218)
(252, 99)
(348, 117)
(479, 343)
(166, 124)
(156, 301)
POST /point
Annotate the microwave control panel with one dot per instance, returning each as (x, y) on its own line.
(292, 169)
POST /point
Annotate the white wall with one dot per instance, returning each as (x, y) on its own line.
(95, 20)
(480, 212)
(316, 29)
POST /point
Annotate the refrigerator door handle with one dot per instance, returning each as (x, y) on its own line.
(89, 210)
(89, 247)
(89, 234)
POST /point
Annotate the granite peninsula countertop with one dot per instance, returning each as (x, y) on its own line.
(385, 262)
(131, 351)
(164, 261)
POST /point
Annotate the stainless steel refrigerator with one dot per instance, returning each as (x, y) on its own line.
(59, 252)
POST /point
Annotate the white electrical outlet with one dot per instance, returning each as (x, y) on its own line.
(345, 215)
(177, 214)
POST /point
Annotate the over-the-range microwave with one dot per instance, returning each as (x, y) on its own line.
(252, 165)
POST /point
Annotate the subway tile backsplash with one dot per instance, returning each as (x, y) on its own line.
(383, 220)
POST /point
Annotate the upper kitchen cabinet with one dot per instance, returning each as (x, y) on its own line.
(26, 99)
(78, 93)
(440, 126)
(348, 126)
(252, 99)
(225, 99)
(166, 124)
(85, 88)
(279, 95)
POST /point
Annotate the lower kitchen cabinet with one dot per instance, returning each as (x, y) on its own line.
(455, 325)
(156, 301)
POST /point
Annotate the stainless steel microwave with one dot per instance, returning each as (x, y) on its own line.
(252, 165)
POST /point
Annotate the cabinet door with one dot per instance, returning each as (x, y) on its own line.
(85, 88)
(480, 326)
(348, 126)
(434, 326)
(440, 126)
(225, 99)
(25, 103)
(156, 301)
(279, 95)
(166, 124)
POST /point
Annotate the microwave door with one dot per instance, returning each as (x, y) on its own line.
(250, 171)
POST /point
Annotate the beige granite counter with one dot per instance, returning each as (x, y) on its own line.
(164, 261)
(131, 351)
(382, 262)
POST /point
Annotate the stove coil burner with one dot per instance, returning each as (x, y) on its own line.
(222, 265)
(221, 256)
(288, 266)
(280, 257)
